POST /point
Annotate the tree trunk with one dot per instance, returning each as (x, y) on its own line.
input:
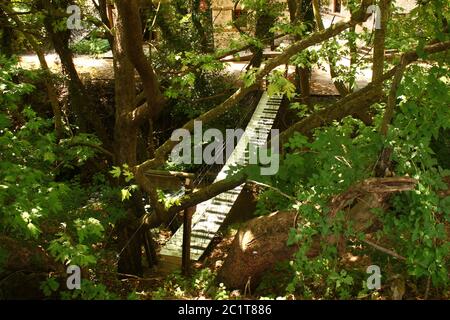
(299, 12)
(130, 238)
(264, 23)
(203, 23)
(258, 245)
(304, 83)
(379, 43)
(165, 21)
(81, 103)
(340, 85)
(103, 13)
(133, 42)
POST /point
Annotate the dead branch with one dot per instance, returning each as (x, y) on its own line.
(382, 249)
(378, 186)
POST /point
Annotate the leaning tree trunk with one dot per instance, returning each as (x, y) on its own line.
(258, 245)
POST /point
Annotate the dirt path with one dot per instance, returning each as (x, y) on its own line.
(87, 66)
(91, 67)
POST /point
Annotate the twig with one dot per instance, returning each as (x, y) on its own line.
(391, 253)
(427, 291)
(93, 146)
(276, 190)
(130, 276)
(248, 287)
(156, 15)
(382, 249)
(135, 277)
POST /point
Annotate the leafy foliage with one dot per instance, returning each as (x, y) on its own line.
(57, 194)
(91, 46)
(338, 156)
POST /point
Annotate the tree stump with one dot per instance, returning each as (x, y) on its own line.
(257, 247)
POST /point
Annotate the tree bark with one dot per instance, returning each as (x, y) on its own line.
(82, 104)
(134, 46)
(301, 11)
(102, 9)
(264, 22)
(130, 237)
(256, 248)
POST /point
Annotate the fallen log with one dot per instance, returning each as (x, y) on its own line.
(262, 242)
(256, 248)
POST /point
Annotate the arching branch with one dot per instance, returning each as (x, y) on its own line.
(163, 151)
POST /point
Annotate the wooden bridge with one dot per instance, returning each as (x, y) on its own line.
(210, 214)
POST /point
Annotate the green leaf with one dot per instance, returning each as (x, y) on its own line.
(49, 286)
(128, 175)
(445, 206)
(125, 194)
(249, 77)
(49, 156)
(4, 121)
(89, 229)
(116, 172)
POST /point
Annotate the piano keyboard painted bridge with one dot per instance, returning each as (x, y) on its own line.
(210, 214)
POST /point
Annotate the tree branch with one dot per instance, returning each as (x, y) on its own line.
(357, 101)
(392, 98)
(317, 37)
(190, 200)
(93, 146)
(382, 249)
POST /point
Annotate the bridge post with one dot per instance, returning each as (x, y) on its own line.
(187, 227)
